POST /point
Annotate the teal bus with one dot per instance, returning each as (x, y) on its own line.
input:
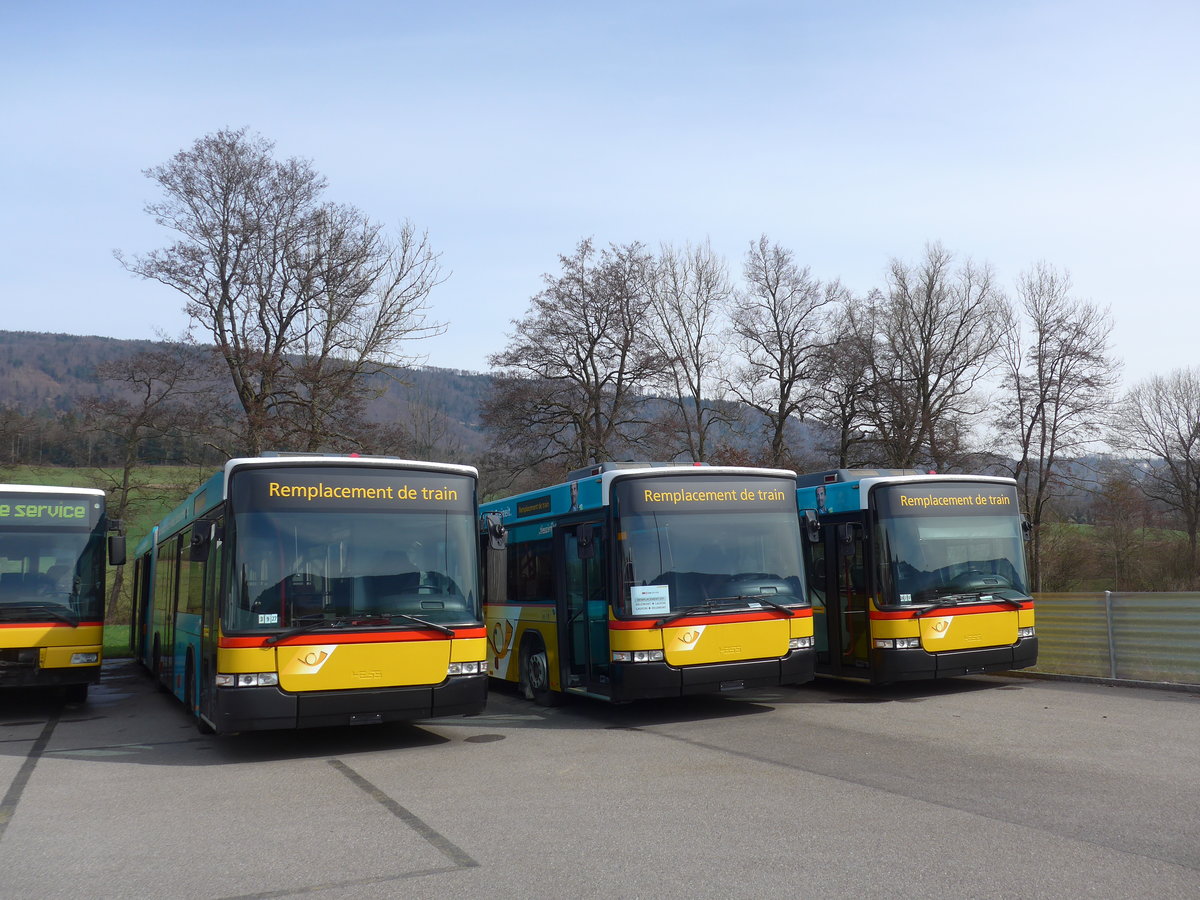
(295, 591)
(915, 575)
(53, 556)
(638, 580)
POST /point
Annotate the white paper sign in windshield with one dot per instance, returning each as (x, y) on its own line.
(650, 599)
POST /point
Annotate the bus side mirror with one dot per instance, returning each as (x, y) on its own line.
(585, 541)
(846, 536)
(116, 549)
(496, 532)
(812, 526)
(201, 538)
(1026, 527)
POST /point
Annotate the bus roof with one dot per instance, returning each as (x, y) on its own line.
(593, 491)
(216, 488)
(49, 489)
(833, 476)
(854, 493)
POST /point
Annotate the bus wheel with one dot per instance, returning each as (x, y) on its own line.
(76, 693)
(535, 674)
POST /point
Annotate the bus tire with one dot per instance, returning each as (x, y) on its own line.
(535, 673)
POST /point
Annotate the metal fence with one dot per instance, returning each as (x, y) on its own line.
(1138, 637)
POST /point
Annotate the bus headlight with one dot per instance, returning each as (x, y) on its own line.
(909, 643)
(637, 656)
(84, 659)
(800, 643)
(247, 679)
(467, 668)
(1025, 632)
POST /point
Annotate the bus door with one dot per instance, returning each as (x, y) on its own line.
(210, 627)
(584, 617)
(822, 581)
(142, 614)
(166, 598)
(853, 614)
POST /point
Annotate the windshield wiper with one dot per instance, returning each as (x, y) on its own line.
(718, 604)
(449, 632)
(339, 622)
(55, 612)
(951, 600)
(706, 607)
(758, 598)
(361, 619)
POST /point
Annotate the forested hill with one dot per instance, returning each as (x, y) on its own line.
(52, 372)
(49, 374)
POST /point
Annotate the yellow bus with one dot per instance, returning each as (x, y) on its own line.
(916, 575)
(297, 591)
(52, 577)
(637, 580)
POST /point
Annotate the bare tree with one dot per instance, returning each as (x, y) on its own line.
(933, 339)
(779, 321)
(689, 293)
(302, 298)
(842, 384)
(1057, 388)
(1160, 419)
(148, 395)
(573, 377)
(1122, 515)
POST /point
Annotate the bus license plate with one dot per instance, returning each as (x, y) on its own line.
(732, 685)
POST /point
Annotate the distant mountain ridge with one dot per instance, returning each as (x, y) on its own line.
(43, 373)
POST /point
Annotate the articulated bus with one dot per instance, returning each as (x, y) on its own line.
(639, 580)
(293, 591)
(916, 575)
(52, 575)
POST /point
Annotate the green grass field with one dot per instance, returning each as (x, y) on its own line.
(116, 642)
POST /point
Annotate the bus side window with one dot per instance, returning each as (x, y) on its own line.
(815, 570)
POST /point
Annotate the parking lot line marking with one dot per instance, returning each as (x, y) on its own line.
(13, 795)
(445, 846)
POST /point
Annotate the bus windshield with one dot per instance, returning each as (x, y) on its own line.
(349, 546)
(712, 554)
(296, 568)
(52, 572)
(949, 541)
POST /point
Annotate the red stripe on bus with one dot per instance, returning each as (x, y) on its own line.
(877, 615)
(648, 624)
(368, 637)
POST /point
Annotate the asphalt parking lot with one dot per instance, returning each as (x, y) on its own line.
(978, 787)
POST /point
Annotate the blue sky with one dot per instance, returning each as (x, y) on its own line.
(850, 132)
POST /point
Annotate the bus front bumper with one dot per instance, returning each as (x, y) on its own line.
(645, 680)
(265, 708)
(914, 664)
(22, 668)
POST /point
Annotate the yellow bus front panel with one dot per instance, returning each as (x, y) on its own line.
(332, 667)
(699, 644)
(968, 632)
